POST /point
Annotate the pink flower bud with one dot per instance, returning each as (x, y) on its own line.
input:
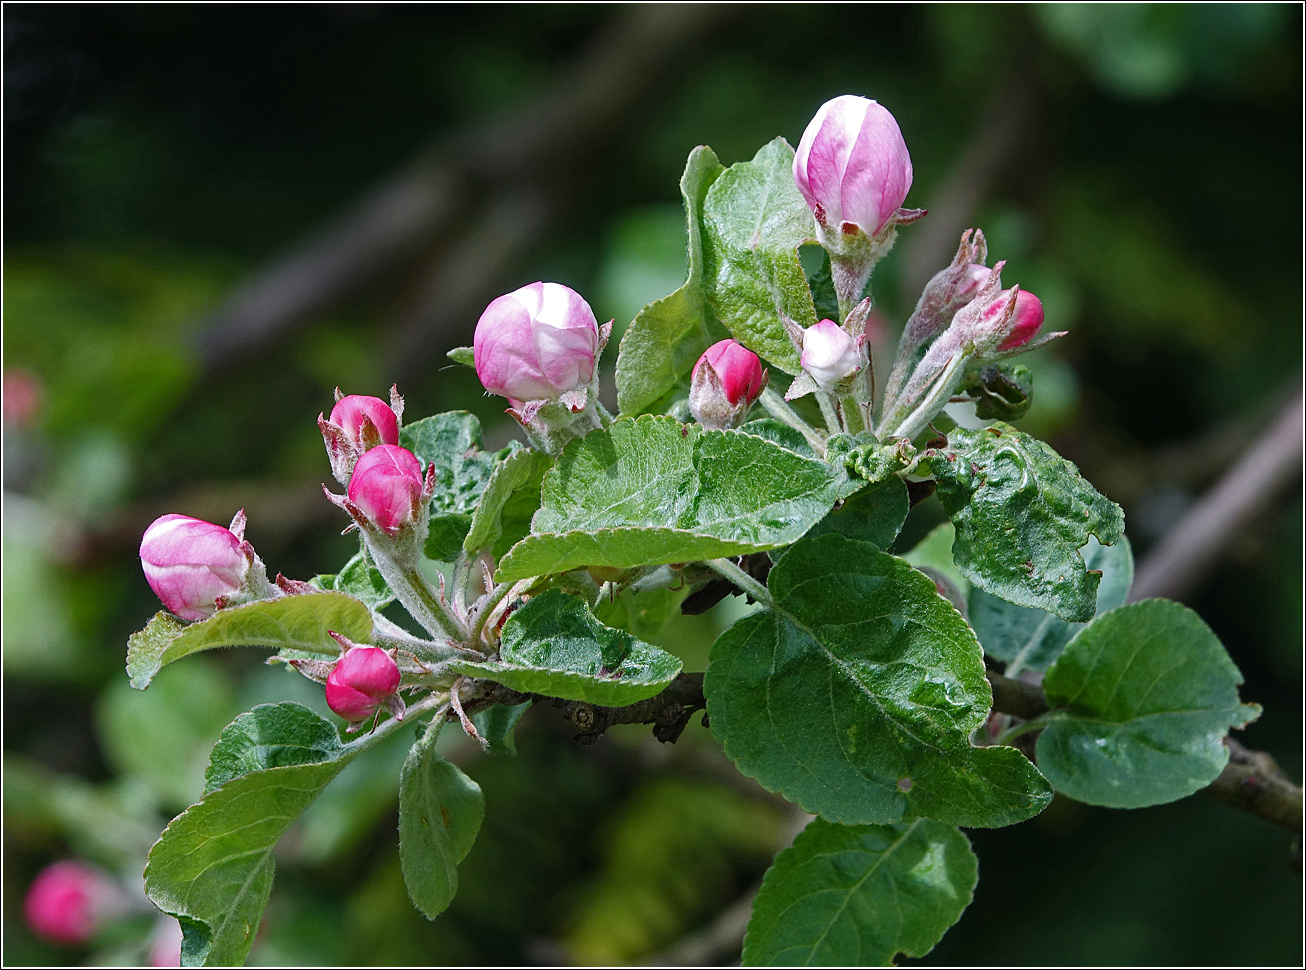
(351, 413)
(22, 397)
(387, 487)
(852, 165)
(536, 343)
(189, 563)
(363, 679)
(971, 282)
(68, 901)
(1026, 320)
(725, 382)
(830, 356)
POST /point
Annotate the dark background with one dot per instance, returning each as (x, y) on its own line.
(1139, 167)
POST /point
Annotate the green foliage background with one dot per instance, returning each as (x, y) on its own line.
(157, 156)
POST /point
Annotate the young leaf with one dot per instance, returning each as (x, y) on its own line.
(361, 580)
(754, 220)
(452, 441)
(874, 515)
(857, 694)
(1149, 693)
(666, 338)
(858, 896)
(440, 812)
(462, 355)
(287, 623)
(212, 867)
(496, 725)
(1022, 512)
(651, 490)
(511, 496)
(1031, 639)
(553, 645)
(444, 541)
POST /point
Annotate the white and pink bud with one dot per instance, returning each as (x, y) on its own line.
(725, 382)
(364, 680)
(387, 488)
(832, 357)
(359, 423)
(852, 167)
(194, 566)
(69, 902)
(537, 343)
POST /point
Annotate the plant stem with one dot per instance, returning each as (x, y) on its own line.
(781, 411)
(938, 396)
(741, 579)
(415, 593)
(829, 413)
(1015, 731)
(492, 599)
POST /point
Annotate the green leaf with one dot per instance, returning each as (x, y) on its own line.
(1022, 512)
(554, 646)
(754, 220)
(779, 433)
(1031, 639)
(512, 495)
(452, 441)
(1003, 391)
(440, 812)
(666, 338)
(212, 867)
(496, 725)
(462, 355)
(858, 896)
(651, 490)
(361, 580)
(289, 623)
(821, 283)
(444, 541)
(873, 515)
(935, 552)
(644, 613)
(1148, 693)
(856, 696)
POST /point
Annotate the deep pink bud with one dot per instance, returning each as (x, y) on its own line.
(363, 679)
(830, 355)
(1026, 320)
(67, 902)
(351, 411)
(737, 367)
(536, 343)
(189, 563)
(387, 487)
(852, 165)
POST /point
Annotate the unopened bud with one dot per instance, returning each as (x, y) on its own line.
(358, 423)
(832, 357)
(536, 343)
(387, 487)
(1026, 320)
(725, 382)
(190, 564)
(68, 902)
(363, 680)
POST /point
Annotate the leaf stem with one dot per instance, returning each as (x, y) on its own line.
(781, 411)
(829, 413)
(492, 599)
(741, 579)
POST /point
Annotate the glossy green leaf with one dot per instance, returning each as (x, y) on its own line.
(440, 812)
(554, 646)
(1022, 513)
(462, 355)
(754, 220)
(290, 623)
(666, 338)
(1029, 639)
(821, 283)
(1147, 694)
(453, 442)
(651, 490)
(212, 867)
(511, 497)
(858, 896)
(874, 515)
(360, 579)
(644, 613)
(857, 694)
(497, 726)
(779, 433)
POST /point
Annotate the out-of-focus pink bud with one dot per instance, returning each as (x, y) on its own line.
(363, 679)
(1026, 319)
(165, 943)
(725, 382)
(852, 166)
(190, 563)
(831, 356)
(387, 487)
(355, 412)
(536, 343)
(68, 901)
(22, 397)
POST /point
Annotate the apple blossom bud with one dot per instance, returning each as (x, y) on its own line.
(363, 679)
(725, 382)
(536, 343)
(355, 412)
(1026, 320)
(852, 166)
(831, 356)
(971, 281)
(68, 901)
(190, 563)
(387, 487)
